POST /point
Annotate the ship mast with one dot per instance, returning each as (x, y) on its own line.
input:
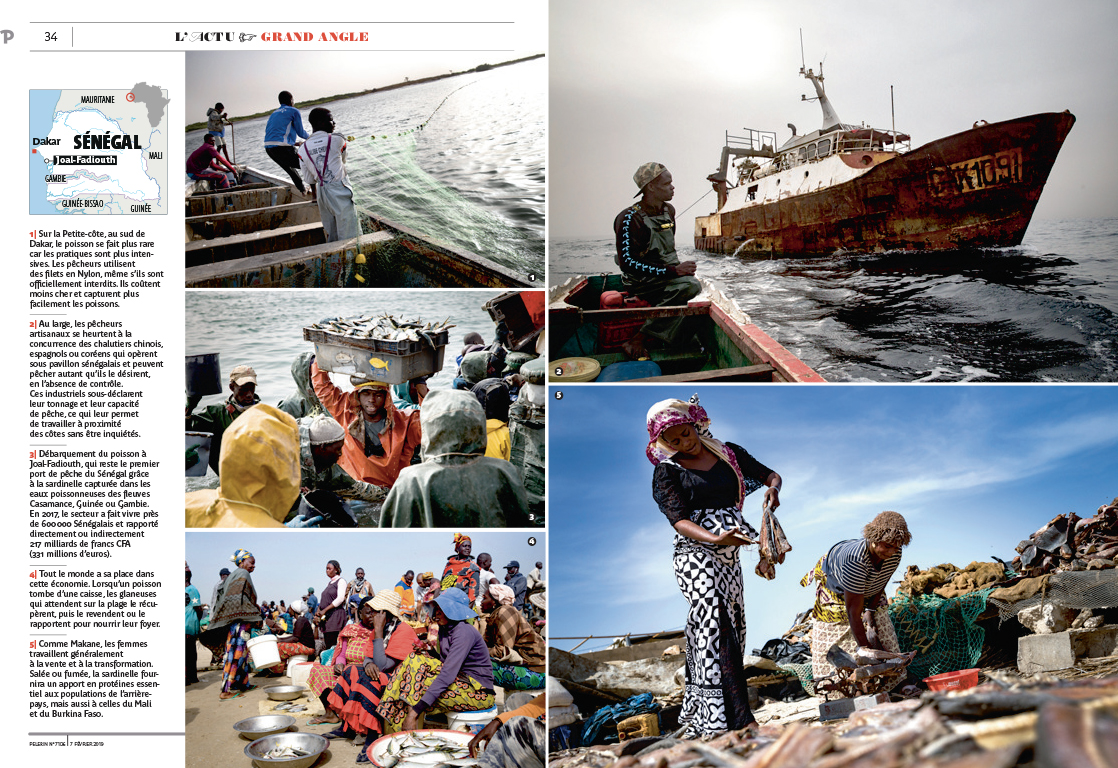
(830, 118)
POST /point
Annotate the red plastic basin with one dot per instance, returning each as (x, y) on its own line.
(947, 681)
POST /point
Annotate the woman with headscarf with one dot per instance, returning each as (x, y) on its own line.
(236, 609)
(461, 571)
(493, 394)
(355, 642)
(300, 642)
(331, 614)
(519, 654)
(357, 693)
(462, 681)
(851, 610)
(699, 484)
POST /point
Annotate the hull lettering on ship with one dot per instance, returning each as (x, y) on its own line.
(977, 173)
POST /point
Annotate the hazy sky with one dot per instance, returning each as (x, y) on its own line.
(973, 469)
(287, 562)
(638, 81)
(312, 74)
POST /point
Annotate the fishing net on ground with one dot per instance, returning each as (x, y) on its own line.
(944, 631)
(1067, 589)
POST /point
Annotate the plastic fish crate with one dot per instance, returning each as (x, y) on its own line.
(612, 334)
(392, 362)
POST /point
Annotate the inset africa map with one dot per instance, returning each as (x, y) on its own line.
(99, 151)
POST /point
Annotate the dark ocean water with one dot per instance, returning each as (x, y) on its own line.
(1044, 311)
(473, 177)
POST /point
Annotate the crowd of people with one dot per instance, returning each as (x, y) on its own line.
(384, 659)
(416, 457)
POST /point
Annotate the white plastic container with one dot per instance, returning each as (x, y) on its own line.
(299, 672)
(470, 722)
(264, 651)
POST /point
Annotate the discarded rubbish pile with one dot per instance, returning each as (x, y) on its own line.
(1071, 543)
(1043, 725)
(951, 626)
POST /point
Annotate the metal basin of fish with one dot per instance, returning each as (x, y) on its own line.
(285, 692)
(265, 725)
(289, 750)
(427, 747)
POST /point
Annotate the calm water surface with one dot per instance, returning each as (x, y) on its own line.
(1045, 311)
(473, 177)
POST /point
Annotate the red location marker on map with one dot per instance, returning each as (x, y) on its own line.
(130, 96)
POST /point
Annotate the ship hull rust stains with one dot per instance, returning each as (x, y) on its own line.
(974, 189)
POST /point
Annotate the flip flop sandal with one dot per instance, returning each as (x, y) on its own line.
(236, 695)
(321, 720)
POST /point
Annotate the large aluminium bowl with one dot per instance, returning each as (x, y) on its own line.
(311, 743)
(265, 725)
(285, 692)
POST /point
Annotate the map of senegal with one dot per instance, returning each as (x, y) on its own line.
(102, 151)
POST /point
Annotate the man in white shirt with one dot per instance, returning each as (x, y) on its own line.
(323, 158)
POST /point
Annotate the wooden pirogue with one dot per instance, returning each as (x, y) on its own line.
(265, 234)
(736, 349)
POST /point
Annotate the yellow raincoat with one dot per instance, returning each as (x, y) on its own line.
(259, 474)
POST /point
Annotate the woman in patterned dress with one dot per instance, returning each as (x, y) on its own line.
(237, 612)
(699, 484)
(851, 610)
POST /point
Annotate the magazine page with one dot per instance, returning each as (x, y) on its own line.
(119, 109)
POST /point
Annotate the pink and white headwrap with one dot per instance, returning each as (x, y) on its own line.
(670, 413)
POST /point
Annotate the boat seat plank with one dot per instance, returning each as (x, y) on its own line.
(233, 240)
(762, 372)
(646, 313)
(221, 269)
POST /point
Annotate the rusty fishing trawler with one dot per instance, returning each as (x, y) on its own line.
(857, 188)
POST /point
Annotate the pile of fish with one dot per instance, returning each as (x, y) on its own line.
(412, 750)
(996, 725)
(383, 327)
(1071, 543)
(281, 752)
(773, 545)
(288, 706)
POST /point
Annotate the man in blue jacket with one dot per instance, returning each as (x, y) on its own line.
(284, 126)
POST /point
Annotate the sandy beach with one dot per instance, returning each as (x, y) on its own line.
(211, 740)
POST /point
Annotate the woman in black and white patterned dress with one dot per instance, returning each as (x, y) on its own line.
(699, 484)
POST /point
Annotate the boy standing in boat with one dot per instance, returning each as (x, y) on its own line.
(650, 268)
(323, 161)
(216, 120)
(284, 126)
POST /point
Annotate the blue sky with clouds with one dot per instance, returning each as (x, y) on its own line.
(974, 469)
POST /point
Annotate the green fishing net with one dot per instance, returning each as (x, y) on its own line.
(944, 631)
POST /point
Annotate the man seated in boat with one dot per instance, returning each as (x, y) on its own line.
(323, 158)
(379, 440)
(206, 163)
(215, 419)
(650, 268)
(284, 126)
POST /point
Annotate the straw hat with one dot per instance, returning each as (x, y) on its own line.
(387, 600)
(539, 600)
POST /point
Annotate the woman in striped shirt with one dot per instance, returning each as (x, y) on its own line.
(851, 609)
